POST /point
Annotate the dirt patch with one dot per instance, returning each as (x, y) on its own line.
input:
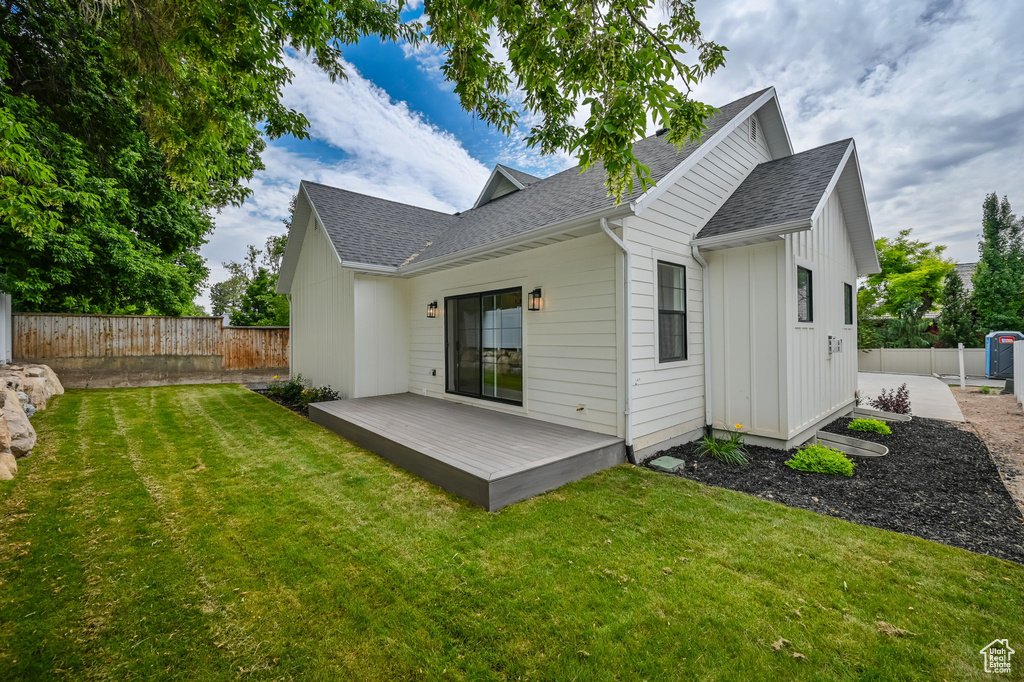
(999, 420)
(938, 482)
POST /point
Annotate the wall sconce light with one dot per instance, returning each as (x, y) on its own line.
(534, 300)
(432, 309)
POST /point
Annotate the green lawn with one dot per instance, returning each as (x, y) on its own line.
(206, 532)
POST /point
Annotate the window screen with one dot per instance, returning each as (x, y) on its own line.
(671, 312)
(804, 295)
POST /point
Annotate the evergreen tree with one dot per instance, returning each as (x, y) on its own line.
(999, 277)
(956, 324)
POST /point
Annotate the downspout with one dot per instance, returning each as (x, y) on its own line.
(706, 312)
(627, 276)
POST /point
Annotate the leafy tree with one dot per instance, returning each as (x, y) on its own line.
(260, 306)
(869, 327)
(907, 329)
(999, 277)
(912, 270)
(956, 323)
(249, 294)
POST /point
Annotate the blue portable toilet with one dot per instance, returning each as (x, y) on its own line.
(999, 354)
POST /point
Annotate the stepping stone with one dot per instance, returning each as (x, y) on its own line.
(667, 464)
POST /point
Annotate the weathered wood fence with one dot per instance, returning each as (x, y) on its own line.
(921, 361)
(144, 349)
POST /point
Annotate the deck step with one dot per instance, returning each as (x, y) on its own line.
(851, 446)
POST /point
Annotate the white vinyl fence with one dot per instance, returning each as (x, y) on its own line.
(1018, 371)
(922, 361)
(6, 333)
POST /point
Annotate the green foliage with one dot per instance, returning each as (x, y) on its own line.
(728, 450)
(249, 294)
(956, 323)
(999, 277)
(912, 273)
(259, 305)
(288, 389)
(987, 390)
(821, 459)
(320, 394)
(907, 329)
(870, 426)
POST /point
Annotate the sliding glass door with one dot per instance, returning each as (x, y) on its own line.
(484, 338)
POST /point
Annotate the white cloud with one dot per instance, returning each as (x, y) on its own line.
(930, 90)
(388, 151)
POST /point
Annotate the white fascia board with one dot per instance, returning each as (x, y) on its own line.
(650, 196)
(485, 193)
(875, 266)
(788, 151)
(289, 262)
(619, 211)
(832, 183)
(757, 234)
(371, 268)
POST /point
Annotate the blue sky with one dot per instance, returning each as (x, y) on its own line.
(930, 89)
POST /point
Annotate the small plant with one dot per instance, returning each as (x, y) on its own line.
(896, 401)
(290, 390)
(728, 450)
(870, 425)
(987, 390)
(318, 395)
(821, 459)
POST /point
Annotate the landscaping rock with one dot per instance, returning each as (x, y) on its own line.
(53, 384)
(5, 431)
(8, 466)
(23, 436)
(37, 392)
(33, 372)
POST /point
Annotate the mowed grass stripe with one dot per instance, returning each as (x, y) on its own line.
(314, 558)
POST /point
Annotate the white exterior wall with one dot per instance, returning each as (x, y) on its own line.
(322, 314)
(819, 383)
(668, 398)
(6, 329)
(381, 336)
(569, 346)
(748, 358)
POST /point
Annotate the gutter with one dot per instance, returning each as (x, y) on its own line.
(627, 276)
(706, 313)
(753, 236)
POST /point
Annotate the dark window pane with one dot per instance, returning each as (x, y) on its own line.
(671, 336)
(671, 312)
(848, 303)
(804, 295)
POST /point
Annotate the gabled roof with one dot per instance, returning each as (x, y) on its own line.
(385, 235)
(787, 195)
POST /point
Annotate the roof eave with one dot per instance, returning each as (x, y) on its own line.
(755, 235)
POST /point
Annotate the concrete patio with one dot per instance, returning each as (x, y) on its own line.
(929, 397)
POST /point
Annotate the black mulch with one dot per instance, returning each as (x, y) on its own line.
(938, 482)
(294, 407)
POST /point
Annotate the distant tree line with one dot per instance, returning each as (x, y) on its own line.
(916, 279)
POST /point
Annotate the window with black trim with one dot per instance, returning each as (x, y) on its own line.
(804, 295)
(671, 312)
(848, 303)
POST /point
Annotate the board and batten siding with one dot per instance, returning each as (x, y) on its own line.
(322, 315)
(820, 383)
(569, 346)
(748, 383)
(668, 398)
(381, 336)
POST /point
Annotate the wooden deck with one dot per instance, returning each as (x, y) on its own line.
(488, 457)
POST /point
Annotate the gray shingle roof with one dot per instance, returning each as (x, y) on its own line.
(966, 272)
(777, 192)
(366, 229)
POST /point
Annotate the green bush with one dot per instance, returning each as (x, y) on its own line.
(870, 425)
(821, 459)
(290, 390)
(318, 395)
(987, 390)
(729, 450)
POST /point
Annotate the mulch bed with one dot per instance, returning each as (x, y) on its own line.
(294, 407)
(938, 482)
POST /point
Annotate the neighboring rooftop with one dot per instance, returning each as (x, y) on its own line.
(966, 272)
(370, 230)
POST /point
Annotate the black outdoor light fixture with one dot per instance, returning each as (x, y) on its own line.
(534, 300)
(432, 309)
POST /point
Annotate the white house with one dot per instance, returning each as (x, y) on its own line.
(723, 295)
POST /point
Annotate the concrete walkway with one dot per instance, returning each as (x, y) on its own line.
(929, 397)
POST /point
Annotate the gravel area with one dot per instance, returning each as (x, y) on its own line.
(938, 482)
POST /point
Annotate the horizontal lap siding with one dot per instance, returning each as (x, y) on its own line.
(322, 315)
(668, 399)
(569, 346)
(819, 383)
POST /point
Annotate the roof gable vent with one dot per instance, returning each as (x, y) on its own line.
(753, 130)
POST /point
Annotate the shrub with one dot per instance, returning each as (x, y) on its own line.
(870, 425)
(290, 390)
(987, 390)
(821, 459)
(318, 395)
(896, 401)
(728, 450)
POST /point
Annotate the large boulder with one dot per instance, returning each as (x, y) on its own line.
(37, 391)
(23, 436)
(53, 384)
(8, 466)
(5, 432)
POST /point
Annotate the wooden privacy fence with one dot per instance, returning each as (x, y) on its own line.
(123, 350)
(921, 361)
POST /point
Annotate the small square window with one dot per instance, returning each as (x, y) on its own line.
(804, 295)
(848, 303)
